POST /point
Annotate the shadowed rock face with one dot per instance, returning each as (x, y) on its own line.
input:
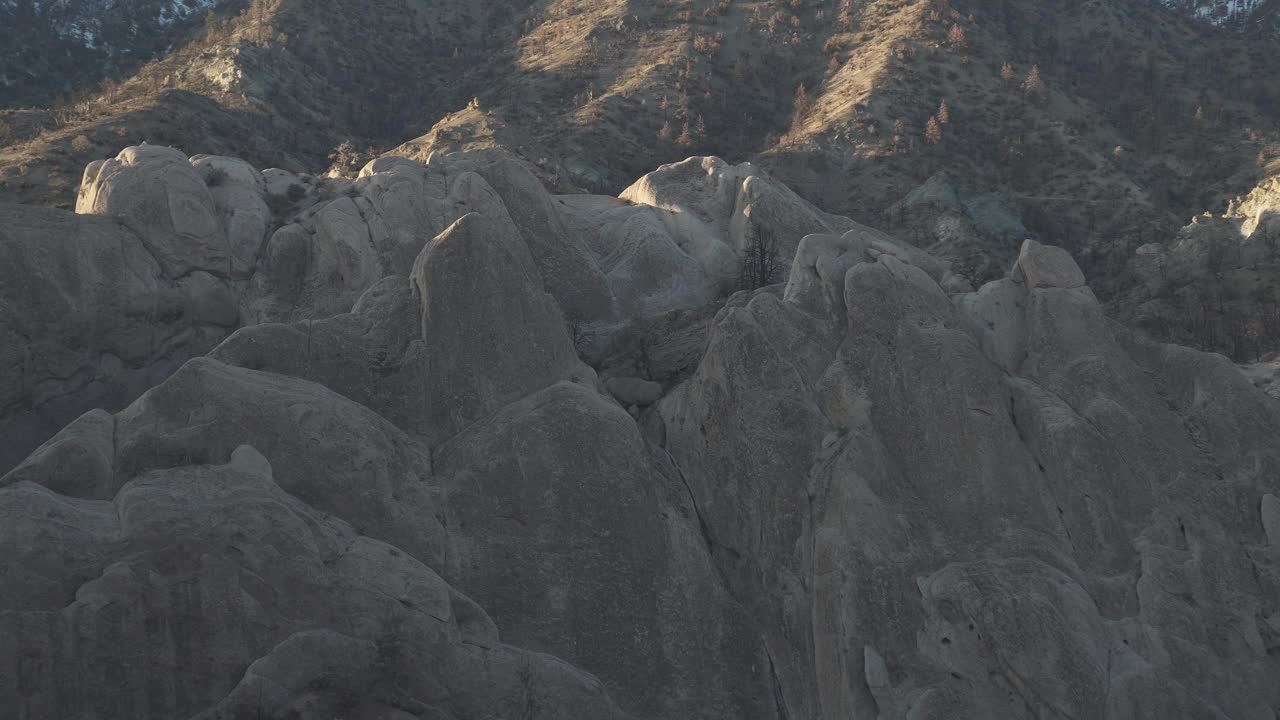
(399, 490)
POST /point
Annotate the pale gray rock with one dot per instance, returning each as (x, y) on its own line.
(864, 492)
(1271, 518)
(239, 197)
(373, 355)
(332, 453)
(496, 335)
(207, 591)
(568, 270)
(1046, 266)
(575, 553)
(996, 313)
(632, 391)
(78, 461)
(1027, 537)
(1213, 285)
(157, 194)
(87, 320)
(737, 204)
(1265, 375)
(650, 269)
(816, 281)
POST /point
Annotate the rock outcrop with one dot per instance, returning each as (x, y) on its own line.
(156, 193)
(471, 450)
(1216, 284)
(978, 233)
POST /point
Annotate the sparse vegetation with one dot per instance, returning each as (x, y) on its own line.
(215, 176)
(1033, 84)
(346, 160)
(933, 131)
(760, 265)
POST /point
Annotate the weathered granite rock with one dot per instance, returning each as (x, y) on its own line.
(634, 391)
(1012, 500)
(208, 591)
(496, 335)
(156, 193)
(866, 492)
(1045, 266)
(1215, 284)
(87, 320)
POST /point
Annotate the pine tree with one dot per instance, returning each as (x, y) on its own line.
(933, 131)
(1033, 85)
(1007, 73)
(800, 107)
(944, 113)
(686, 137)
(957, 38)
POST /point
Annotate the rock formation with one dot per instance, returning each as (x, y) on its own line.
(435, 443)
(1216, 284)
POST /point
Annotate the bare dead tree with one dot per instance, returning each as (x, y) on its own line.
(760, 265)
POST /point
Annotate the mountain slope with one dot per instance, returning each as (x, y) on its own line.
(1234, 14)
(57, 49)
(1107, 157)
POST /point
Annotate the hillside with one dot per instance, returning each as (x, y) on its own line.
(1144, 120)
(51, 50)
(1239, 15)
(622, 360)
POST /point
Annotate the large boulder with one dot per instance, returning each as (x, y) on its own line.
(1046, 266)
(568, 269)
(739, 205)
(209, 591)
(157, 193)
(581, 554)
(997, 504)
(1215, 284)
(239, 196)
(650, 269)
(494, 334)
(87, 320)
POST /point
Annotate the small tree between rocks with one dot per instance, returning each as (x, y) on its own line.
(346, 159)
(944, 113)
(1007, 72)
(957, 38)
(760, 266)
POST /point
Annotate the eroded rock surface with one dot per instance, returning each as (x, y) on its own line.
(465, 449)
